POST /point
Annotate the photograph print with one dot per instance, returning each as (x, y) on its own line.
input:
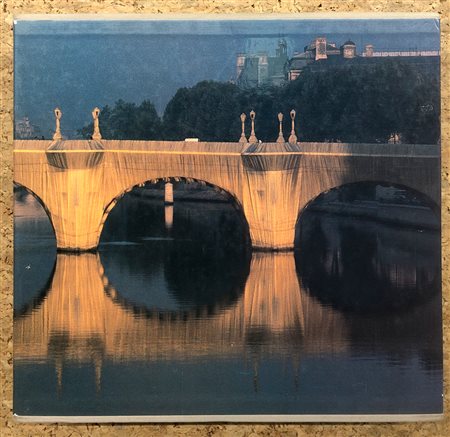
(223, 218)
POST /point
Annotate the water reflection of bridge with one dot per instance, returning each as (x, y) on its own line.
(79, 182)
(81, 320)
(85, 319)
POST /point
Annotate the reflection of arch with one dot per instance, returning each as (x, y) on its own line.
(41, 203)
(230, 196)
(41, 291)
(423, 198)
(367, 267)
(161, 314)
(224, 291)
(39, 297)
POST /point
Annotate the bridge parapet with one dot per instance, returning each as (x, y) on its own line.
(74, 145)
(370, 149)
(272, 148)
(57, 155)
(232, 148)
(271, 156)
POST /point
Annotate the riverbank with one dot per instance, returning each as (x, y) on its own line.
(389, 213)
(401, 214)
(184, 194)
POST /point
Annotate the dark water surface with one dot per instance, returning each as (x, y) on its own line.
(175, 315)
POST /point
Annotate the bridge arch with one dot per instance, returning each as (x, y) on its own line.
(228, 195)
(423, 198)
(41, 203)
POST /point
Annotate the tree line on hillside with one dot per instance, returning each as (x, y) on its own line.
(349, 104)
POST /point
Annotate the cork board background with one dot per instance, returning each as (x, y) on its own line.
(10, 8)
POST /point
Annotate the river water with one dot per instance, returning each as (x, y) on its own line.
(176, 316)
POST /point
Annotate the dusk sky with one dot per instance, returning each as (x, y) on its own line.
(78, 65)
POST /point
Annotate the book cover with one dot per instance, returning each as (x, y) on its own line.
(227, 218)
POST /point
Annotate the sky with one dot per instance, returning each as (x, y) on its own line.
(79, 64)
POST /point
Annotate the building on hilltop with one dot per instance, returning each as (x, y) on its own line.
(321, 55)
(317, 50)
(256, 70)
(370, 53)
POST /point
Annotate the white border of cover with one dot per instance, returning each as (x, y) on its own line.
(271, 418)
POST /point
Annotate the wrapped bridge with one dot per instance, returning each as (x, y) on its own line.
(79, 181)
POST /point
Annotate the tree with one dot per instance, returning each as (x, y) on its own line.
(366, 103)
(359, 102)
(127, 121)
(209, 110)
